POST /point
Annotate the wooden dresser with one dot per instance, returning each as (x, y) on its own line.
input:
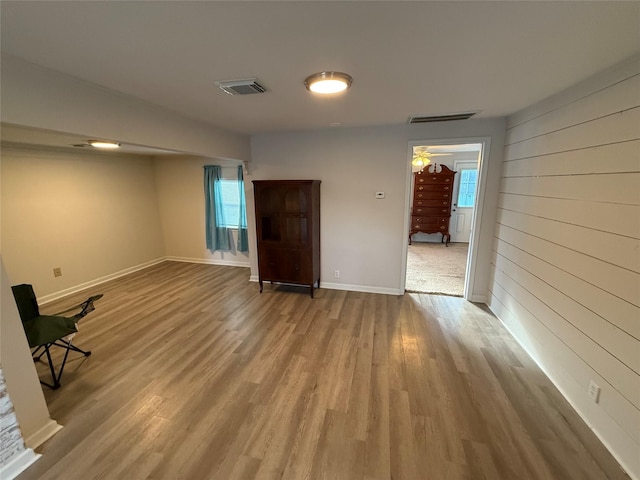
(288, 231)
(431, 206)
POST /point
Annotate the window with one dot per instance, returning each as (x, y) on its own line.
(225, 210)
(467, 189)
(230, 203)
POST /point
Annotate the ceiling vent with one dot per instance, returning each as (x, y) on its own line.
(441, 118)
(248, 86)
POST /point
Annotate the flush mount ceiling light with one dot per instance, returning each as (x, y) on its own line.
(103, 144)
(328, 82)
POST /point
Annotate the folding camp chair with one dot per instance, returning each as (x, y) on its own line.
(45, 331)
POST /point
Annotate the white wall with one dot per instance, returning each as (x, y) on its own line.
(180, 184)
(566, 260)
(38, 97)
(91, 214)
(361, 236)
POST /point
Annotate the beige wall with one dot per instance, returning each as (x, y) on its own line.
(92, 215)
(566, 260)
(180, 184)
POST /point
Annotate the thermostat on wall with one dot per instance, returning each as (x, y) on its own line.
(379, 194)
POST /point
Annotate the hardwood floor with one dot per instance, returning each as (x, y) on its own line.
(196, 375)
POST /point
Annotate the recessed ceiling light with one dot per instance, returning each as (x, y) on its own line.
(328, 82)
(103, 144)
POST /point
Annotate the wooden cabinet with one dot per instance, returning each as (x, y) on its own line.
(432, 196)
(288, 231)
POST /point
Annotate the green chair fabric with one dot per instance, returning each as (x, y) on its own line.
(44, 331)
(40, 329)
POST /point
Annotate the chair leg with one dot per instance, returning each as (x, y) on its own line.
(56, 380)
(35, 352)
(68, 346)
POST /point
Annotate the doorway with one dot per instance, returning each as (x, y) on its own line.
(432, 266)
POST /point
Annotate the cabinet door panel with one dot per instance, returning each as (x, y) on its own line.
(269, 229)
(295, 200)
(296, 230)
(284, 265)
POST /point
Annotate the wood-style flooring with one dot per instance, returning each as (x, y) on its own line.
(196, 375)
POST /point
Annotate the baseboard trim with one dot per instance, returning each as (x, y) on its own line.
(362, 288)
(92, 283)
(351, 288)
(477, 299)
(210, 261)
(18, 464)
(43, 434)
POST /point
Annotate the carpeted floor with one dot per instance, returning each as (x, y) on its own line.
(434, 268)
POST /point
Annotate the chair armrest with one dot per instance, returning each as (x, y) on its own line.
(84, 307)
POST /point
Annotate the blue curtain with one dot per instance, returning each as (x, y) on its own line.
(218, 236)
(243, 239)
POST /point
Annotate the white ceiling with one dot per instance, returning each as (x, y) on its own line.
(406, 58)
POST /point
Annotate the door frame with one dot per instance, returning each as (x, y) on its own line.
(476, 222)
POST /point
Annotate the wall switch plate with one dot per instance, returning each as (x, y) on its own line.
(379, 194)
(594, 391)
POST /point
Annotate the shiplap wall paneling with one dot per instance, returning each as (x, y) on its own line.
(568, 353)
(614, 128)
(566, 261)
(576, 326)
(565, 368)
(610, 100)
(618, 219)
(612, 158)
(616, 249)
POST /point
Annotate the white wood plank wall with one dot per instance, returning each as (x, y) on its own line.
(566, 259)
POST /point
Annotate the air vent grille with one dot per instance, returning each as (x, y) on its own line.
(248, 86)
(441, 118)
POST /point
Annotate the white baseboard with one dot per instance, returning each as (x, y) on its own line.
(478, 299)
(352, 288)
(210, 261)
(18, 464)
(92, 283)
(362, 288)
(43, 434)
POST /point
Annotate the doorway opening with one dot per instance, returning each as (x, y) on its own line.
(442, 216)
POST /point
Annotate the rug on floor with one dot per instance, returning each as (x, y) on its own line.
(436, 269)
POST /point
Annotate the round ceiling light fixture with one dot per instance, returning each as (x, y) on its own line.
(328, 82)
(103, 144)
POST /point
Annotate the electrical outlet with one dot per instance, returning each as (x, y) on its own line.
(594, 391)
(57, 272)
(336, 273)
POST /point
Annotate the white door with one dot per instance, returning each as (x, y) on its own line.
(463, 202)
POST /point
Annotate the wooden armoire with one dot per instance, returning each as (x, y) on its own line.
(431, 207)
(288, 231)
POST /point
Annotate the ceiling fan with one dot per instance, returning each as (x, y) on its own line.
(422, 157)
